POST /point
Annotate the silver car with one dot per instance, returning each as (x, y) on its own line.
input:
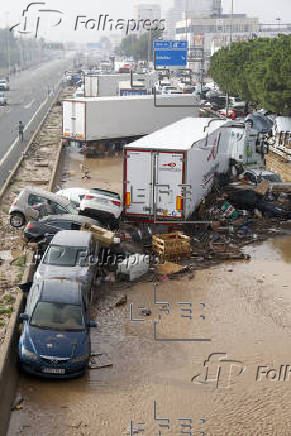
(33, 203)
(72, 254)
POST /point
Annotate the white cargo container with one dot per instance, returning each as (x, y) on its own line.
(108, 85)
(99, 119)
(167, 173)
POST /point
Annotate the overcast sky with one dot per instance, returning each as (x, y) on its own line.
(266, 10)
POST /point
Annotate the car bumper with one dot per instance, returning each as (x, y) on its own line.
(70, 372)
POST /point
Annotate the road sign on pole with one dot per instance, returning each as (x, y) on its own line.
(170, 53)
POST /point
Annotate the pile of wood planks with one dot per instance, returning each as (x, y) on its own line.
(171, 245)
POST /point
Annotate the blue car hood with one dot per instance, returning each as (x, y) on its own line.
(57, 343)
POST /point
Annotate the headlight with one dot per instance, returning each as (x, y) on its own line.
(29, 354)
(80, 358)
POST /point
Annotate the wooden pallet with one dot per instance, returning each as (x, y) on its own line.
(171, 245)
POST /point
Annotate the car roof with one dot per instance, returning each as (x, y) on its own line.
(41, 192)
(72, 238)
(77, 218)
(61, 291)
(79, 190)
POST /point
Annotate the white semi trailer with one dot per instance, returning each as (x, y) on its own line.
(96, 121)
(109, 85)
(168, 173)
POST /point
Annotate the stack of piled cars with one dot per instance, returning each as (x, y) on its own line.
(55, 338)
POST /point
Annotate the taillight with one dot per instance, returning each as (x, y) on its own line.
(116, 202)
(30, 226)
(179, 202)
(127, 199)
(89, 197)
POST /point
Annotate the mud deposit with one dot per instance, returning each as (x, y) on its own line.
(247, 317)
(242, 307)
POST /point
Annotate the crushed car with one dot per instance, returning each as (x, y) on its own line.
(99, 204)
(33, 204)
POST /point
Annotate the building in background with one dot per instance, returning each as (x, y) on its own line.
(212, 32)
(147, 11)
(190, 8)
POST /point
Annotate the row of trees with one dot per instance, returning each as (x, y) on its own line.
(18, 51)
(140, 47)
(258, 71)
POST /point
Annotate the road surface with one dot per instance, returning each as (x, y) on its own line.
(28, 100)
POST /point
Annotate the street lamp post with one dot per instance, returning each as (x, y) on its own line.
(230, 42)
(231, 24)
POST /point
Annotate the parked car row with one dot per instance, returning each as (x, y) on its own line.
(55, 339)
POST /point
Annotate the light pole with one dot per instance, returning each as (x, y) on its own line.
(150, 38)
(230, 42)
(8, 43)
(279, 23)
(231, 24)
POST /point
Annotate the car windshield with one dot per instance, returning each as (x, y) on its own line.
(63, 256)
(58, 316)
(274, 178)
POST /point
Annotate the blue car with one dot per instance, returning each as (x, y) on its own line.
(55, 339)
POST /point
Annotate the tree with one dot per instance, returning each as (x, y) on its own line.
(139, 47)
(258, 71)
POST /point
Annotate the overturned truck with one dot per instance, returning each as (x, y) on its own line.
(168, 173)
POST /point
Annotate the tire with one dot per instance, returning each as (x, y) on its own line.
(17, 220)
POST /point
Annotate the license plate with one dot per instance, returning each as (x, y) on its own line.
(53, 371)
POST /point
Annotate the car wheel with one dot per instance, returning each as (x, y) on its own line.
(17, 219)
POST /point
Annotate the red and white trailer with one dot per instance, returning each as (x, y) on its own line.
(167, 173)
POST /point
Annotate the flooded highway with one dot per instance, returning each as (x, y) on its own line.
(158, 370)
(248, 320)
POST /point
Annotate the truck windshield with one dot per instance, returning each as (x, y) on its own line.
(63, 256)
(58, 316)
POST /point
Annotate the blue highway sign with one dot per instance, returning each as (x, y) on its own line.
(170, 53)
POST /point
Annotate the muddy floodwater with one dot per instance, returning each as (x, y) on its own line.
(223, 372)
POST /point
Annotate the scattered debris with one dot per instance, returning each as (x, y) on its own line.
(171, 245)
(97, 361)
(121, 301)
(18, 403)
(133, 267)
(168, 268)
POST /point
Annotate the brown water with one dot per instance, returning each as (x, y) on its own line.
(247, 317)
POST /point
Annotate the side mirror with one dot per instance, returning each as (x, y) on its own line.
(23, 317)
(92, 324)
(25, 286)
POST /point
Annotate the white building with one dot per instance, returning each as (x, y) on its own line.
(147, 11)
(190, 8)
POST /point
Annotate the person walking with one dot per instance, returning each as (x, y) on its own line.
(20, 130)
